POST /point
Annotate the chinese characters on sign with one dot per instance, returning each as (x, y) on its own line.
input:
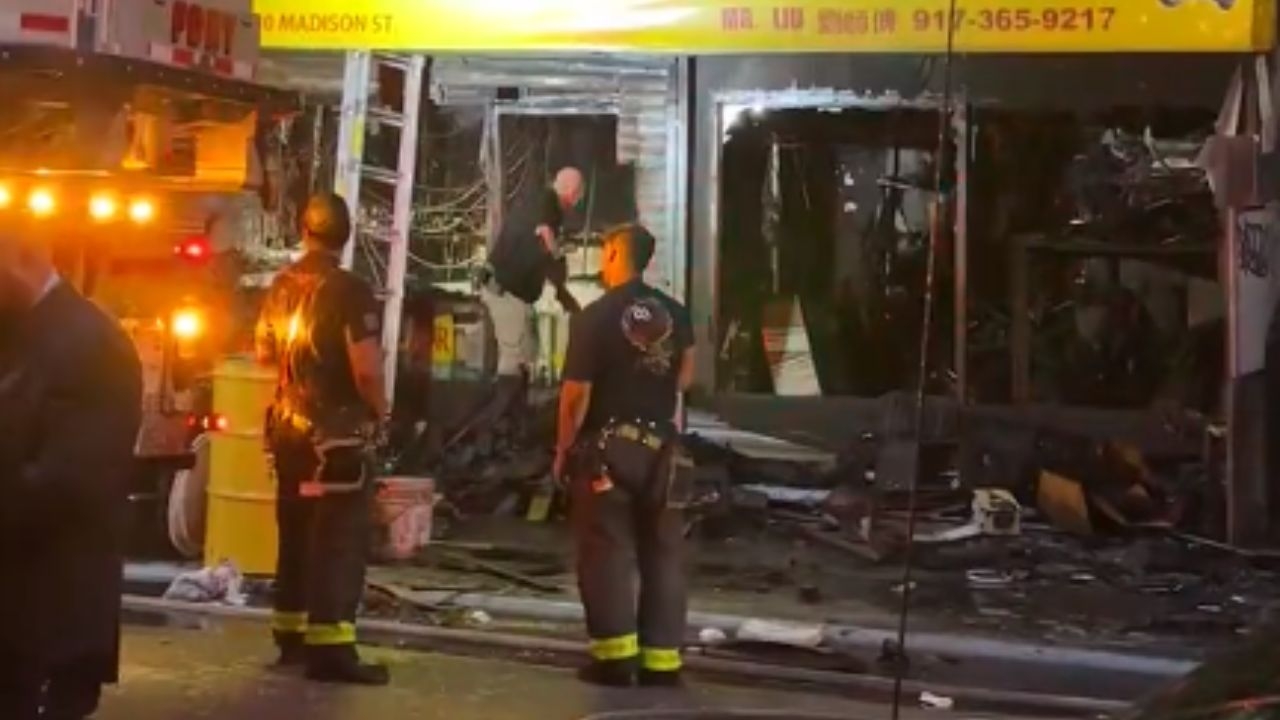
(891, 21)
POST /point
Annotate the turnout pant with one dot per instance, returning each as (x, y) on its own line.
(625, 526)
(320, 573)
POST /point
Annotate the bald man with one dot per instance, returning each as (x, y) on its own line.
(525, 257)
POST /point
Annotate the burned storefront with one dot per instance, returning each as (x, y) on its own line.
(1080, 299)
(1074, 462)
(823, 196)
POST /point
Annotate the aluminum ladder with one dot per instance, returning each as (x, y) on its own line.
(382, 238)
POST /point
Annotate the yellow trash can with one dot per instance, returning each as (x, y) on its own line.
(241, 524)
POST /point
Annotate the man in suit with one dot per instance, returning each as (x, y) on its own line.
(70, 408)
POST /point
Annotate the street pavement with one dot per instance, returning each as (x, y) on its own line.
(220, 671)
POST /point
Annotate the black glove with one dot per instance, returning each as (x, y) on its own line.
(558, 271)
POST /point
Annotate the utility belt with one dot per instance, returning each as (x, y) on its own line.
(643, 459)
(343, 446)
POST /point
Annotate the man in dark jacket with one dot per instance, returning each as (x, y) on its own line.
(70, 408)
(526, 256)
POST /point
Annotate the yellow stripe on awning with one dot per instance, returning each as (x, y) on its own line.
(697, 27)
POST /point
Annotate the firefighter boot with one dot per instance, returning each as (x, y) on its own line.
(660, 668)
(660, 678)
(293, 653)
(609, 673)
(340, 664)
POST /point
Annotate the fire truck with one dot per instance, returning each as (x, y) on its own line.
(133, 137)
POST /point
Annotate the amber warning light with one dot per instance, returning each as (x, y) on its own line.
(208, 423)
(188, 324)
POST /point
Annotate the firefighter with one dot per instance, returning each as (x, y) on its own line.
(321, 329)
(628, 363)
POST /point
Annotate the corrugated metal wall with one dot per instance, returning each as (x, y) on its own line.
(645, 93)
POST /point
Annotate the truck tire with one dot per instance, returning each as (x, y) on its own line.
(188, 503)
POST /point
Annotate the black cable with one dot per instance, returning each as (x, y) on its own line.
(940, 212)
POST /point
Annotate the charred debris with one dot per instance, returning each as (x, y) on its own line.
(1084, 459)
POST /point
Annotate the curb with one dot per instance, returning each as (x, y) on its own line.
(847, 637)
(422, 637)
(843, 637)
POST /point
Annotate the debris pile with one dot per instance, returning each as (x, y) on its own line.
(1012, 518)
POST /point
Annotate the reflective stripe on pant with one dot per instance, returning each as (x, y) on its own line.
(342, 633)
(321, 568)
(294, 623)
(624, 647)
(661, 659)
(617, 529)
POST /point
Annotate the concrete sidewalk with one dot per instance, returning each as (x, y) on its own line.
(218, 671)
(961, 659)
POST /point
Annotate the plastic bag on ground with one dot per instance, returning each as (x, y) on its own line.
(222, 583)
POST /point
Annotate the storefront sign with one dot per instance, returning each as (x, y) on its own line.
(443, 342)
(778, 26)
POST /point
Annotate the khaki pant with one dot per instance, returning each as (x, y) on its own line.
(514, 328)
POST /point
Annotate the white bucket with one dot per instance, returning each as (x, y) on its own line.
(404, 510)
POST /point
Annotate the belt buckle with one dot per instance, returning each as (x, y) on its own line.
(636, 432)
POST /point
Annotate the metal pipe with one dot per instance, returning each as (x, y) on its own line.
(964, 147)
(441, 639)
(940, 209)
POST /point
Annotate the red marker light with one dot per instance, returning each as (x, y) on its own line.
(220, 423)
(195, 249)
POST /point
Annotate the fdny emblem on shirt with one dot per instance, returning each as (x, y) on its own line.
(648, 326)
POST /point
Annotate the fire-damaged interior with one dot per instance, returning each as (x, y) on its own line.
(1101, 226)
(471, 159)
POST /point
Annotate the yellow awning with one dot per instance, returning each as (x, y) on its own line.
(751, 26)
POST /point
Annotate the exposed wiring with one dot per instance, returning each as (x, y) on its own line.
(444, 266)
(376, 265)
(942, 203)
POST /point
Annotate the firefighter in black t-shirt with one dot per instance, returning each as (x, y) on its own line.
(629, 361)
(320, 327)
